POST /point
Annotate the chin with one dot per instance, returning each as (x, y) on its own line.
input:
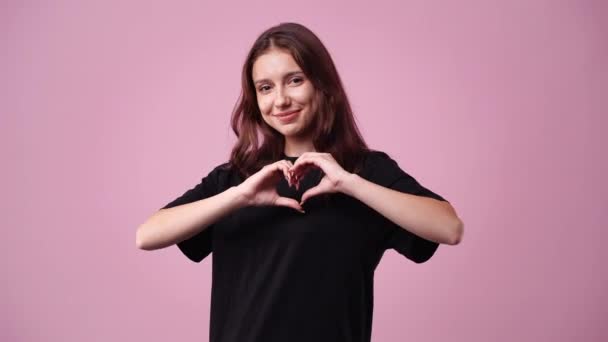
(288, 132)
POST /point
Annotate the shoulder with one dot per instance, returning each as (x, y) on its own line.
(225, 175)
(376, 159)
(220, 171)
(376, 156)
(222, 168)
(380, 168)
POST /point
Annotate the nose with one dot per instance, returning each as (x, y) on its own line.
(282, 99)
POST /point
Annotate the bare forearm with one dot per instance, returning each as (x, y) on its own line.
(172, 225)
(426, 217)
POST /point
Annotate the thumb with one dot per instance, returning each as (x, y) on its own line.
(314, 191)
(289, 202)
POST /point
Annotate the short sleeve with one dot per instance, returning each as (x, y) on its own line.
(199, 246)
(386, 172)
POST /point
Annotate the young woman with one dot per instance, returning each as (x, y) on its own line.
(301, 214)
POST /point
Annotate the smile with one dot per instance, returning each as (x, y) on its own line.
(288, 117)
(286, 113)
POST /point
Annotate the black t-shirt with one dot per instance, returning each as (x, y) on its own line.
(282, 275)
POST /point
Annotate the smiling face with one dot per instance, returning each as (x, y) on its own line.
(281, 87)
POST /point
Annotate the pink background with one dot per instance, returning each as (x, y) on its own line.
(111, 109)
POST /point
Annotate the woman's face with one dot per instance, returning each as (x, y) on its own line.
(281, 87)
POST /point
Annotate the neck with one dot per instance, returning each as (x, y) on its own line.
(295, 147)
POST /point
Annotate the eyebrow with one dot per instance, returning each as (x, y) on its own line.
(291, 73)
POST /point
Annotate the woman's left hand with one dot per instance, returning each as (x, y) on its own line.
(331, 182)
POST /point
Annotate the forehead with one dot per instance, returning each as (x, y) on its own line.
(273, 64)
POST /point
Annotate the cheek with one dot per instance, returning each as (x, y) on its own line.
(306, 95)
(263, 104)
(302, 94)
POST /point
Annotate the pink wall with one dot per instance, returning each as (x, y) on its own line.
(111, 109)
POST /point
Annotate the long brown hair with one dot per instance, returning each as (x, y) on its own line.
(333, 128)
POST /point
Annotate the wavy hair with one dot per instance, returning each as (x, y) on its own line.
(333, 127)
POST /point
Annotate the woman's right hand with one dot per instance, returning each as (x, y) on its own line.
(260, 188)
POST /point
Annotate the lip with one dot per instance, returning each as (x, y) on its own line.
(287, 117)
(287, 113)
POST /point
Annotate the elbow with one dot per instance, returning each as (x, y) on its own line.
(457, 233)
(140, 241)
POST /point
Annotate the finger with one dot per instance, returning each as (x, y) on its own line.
(314, 191)
(289, 202)
(302, 170)
(275, 171)
(290, 172)
(285, 167)
(299, 175)
(303, 165)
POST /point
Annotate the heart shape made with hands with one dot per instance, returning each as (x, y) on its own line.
(297, 173)
(330, 172)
